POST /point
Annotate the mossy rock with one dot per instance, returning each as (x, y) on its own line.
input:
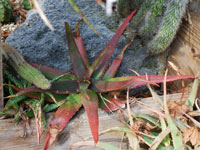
(6, 11)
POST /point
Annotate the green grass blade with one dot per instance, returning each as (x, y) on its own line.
(15, 100)
(157, 141)
(149, 118)
(51, 107)
(167, 139)
(193, 93)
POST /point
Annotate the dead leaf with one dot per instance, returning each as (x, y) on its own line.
(176, 109)
(192, 135)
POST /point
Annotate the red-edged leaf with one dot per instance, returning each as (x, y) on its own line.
(51, 73)
(65, 87)
(112, 105)
(160, 79)
(106, 86)
(58, 97)
(131, 81)
(79, 67)
(82, 51)
(62, 117)
(111, 71)
(91, 107)
(80, 45)
(59, 87)
(100, 64)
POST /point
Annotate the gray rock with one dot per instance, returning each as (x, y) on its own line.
(38, 44)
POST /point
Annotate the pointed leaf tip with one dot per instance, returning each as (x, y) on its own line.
(91, 108)
(100, 64)
(79, 67)
(62, 117)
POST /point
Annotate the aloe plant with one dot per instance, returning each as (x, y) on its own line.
(87, 83)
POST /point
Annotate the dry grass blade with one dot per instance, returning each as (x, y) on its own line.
(182, 81)
(176, 134)
(159, 139)
(133, 141)
(72, 3)
(128, 108)
(192, 119)
(42, 15)
(155, 96)
(52, 97)
(152, 110)
(99, 2)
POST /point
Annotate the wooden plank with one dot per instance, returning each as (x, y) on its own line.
(1, 74)
(11, 135)
(186, 46)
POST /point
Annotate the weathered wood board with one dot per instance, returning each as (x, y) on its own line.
(11, 135)
(185, 50)
(1, 74)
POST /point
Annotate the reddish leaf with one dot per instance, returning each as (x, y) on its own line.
(62, 117)
(160, 79)
(77, 61)
(49, 72)
(106, 86)
(111, 71)
(65, 87)
(80, 45)
(59, 87)
(91, 107)
(82, 51)
(131, 81)
(58, 97)
(100, 64)
(32, 95)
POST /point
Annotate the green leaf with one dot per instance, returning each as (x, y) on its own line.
(51, 107)
(15, 100)
(11, 77)
(157, 141)
(193, 93)
(17, 117)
